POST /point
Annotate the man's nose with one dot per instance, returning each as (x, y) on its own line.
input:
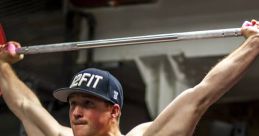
(77, 112)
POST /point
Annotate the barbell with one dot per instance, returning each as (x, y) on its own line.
(136, 40)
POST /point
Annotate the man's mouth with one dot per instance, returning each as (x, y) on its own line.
(79, 122)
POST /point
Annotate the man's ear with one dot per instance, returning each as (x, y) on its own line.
(116, 111)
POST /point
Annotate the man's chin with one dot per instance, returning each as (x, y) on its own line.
(81, 130)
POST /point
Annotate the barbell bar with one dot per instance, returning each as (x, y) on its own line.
(136, 40)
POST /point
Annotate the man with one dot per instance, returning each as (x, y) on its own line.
(96, 97)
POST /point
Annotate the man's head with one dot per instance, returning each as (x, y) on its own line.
(96, 99)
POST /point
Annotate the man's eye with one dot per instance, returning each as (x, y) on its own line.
(72, 103)
(88, 104)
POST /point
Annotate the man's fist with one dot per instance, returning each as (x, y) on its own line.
(250, 28)
(8, 54)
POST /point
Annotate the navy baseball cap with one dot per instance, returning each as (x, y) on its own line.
(94, 82)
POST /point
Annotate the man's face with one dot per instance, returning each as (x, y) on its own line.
(89, 115)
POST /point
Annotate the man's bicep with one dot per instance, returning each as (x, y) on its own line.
(31, 129)
(140, 129)
(42, 120)
(179, 117)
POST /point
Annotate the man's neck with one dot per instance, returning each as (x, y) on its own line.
(114, 132)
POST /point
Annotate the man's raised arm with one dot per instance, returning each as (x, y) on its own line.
(22, 101)
(181, 116)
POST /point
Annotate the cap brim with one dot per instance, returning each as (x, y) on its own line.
(63, 93)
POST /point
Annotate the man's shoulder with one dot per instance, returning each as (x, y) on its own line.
(139, 130)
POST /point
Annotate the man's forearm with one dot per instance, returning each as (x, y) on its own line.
(228, 72)
(13, 90)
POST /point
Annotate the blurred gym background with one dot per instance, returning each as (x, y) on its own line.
(151, 75)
